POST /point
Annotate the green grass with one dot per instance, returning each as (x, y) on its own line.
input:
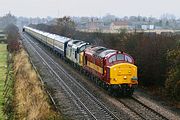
(3, 70)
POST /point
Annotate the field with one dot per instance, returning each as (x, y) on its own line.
(3, 68)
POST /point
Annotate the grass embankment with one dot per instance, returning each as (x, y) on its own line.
(3, 70)
(31, 102)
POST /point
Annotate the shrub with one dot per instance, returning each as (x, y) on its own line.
(13, 36)
(172, 84)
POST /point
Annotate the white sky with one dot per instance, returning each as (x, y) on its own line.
(59, 8)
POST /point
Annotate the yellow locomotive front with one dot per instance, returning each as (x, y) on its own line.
(121, 73)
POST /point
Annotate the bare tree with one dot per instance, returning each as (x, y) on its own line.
(7, 19)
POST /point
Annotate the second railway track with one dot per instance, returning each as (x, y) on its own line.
(91, 107)
(143, 111)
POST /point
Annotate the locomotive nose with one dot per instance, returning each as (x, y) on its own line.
(123, 73)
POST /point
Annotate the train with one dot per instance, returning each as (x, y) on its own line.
(111, 69)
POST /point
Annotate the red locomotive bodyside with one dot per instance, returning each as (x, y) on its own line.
(93, 63)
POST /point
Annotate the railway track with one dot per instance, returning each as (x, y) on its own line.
(141, 110)
(91, 107)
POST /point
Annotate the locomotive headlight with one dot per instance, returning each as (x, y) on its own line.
(125, 77)
(115, 79)
(134, 78)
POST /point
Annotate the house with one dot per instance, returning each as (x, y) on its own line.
(147, 27)
(94, 25)
(3, 36)
(118, 25)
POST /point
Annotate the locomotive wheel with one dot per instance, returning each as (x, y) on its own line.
(109, 90)
(128, 92)
(96, 81)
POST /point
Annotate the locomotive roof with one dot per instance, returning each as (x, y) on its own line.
(106, 52)
(95, 50)
(84, 43)
(73, 42)
(100, 51)
(79, 44)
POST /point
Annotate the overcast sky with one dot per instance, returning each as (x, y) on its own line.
(59, 8)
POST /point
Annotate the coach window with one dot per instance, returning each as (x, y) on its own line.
(128, 59)
(112, 59)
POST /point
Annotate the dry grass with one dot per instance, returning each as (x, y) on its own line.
(30, 98)
(3, 70)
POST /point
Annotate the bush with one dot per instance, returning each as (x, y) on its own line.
(177, 91)
(172, 84)
(13, 36)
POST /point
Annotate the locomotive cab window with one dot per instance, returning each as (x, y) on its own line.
(112, 59)
(120, 57)
(128, 59)
(81, 49)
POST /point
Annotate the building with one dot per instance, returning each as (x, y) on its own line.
(147, 27)
(3, 36)
(94, 25)
(118, 25)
